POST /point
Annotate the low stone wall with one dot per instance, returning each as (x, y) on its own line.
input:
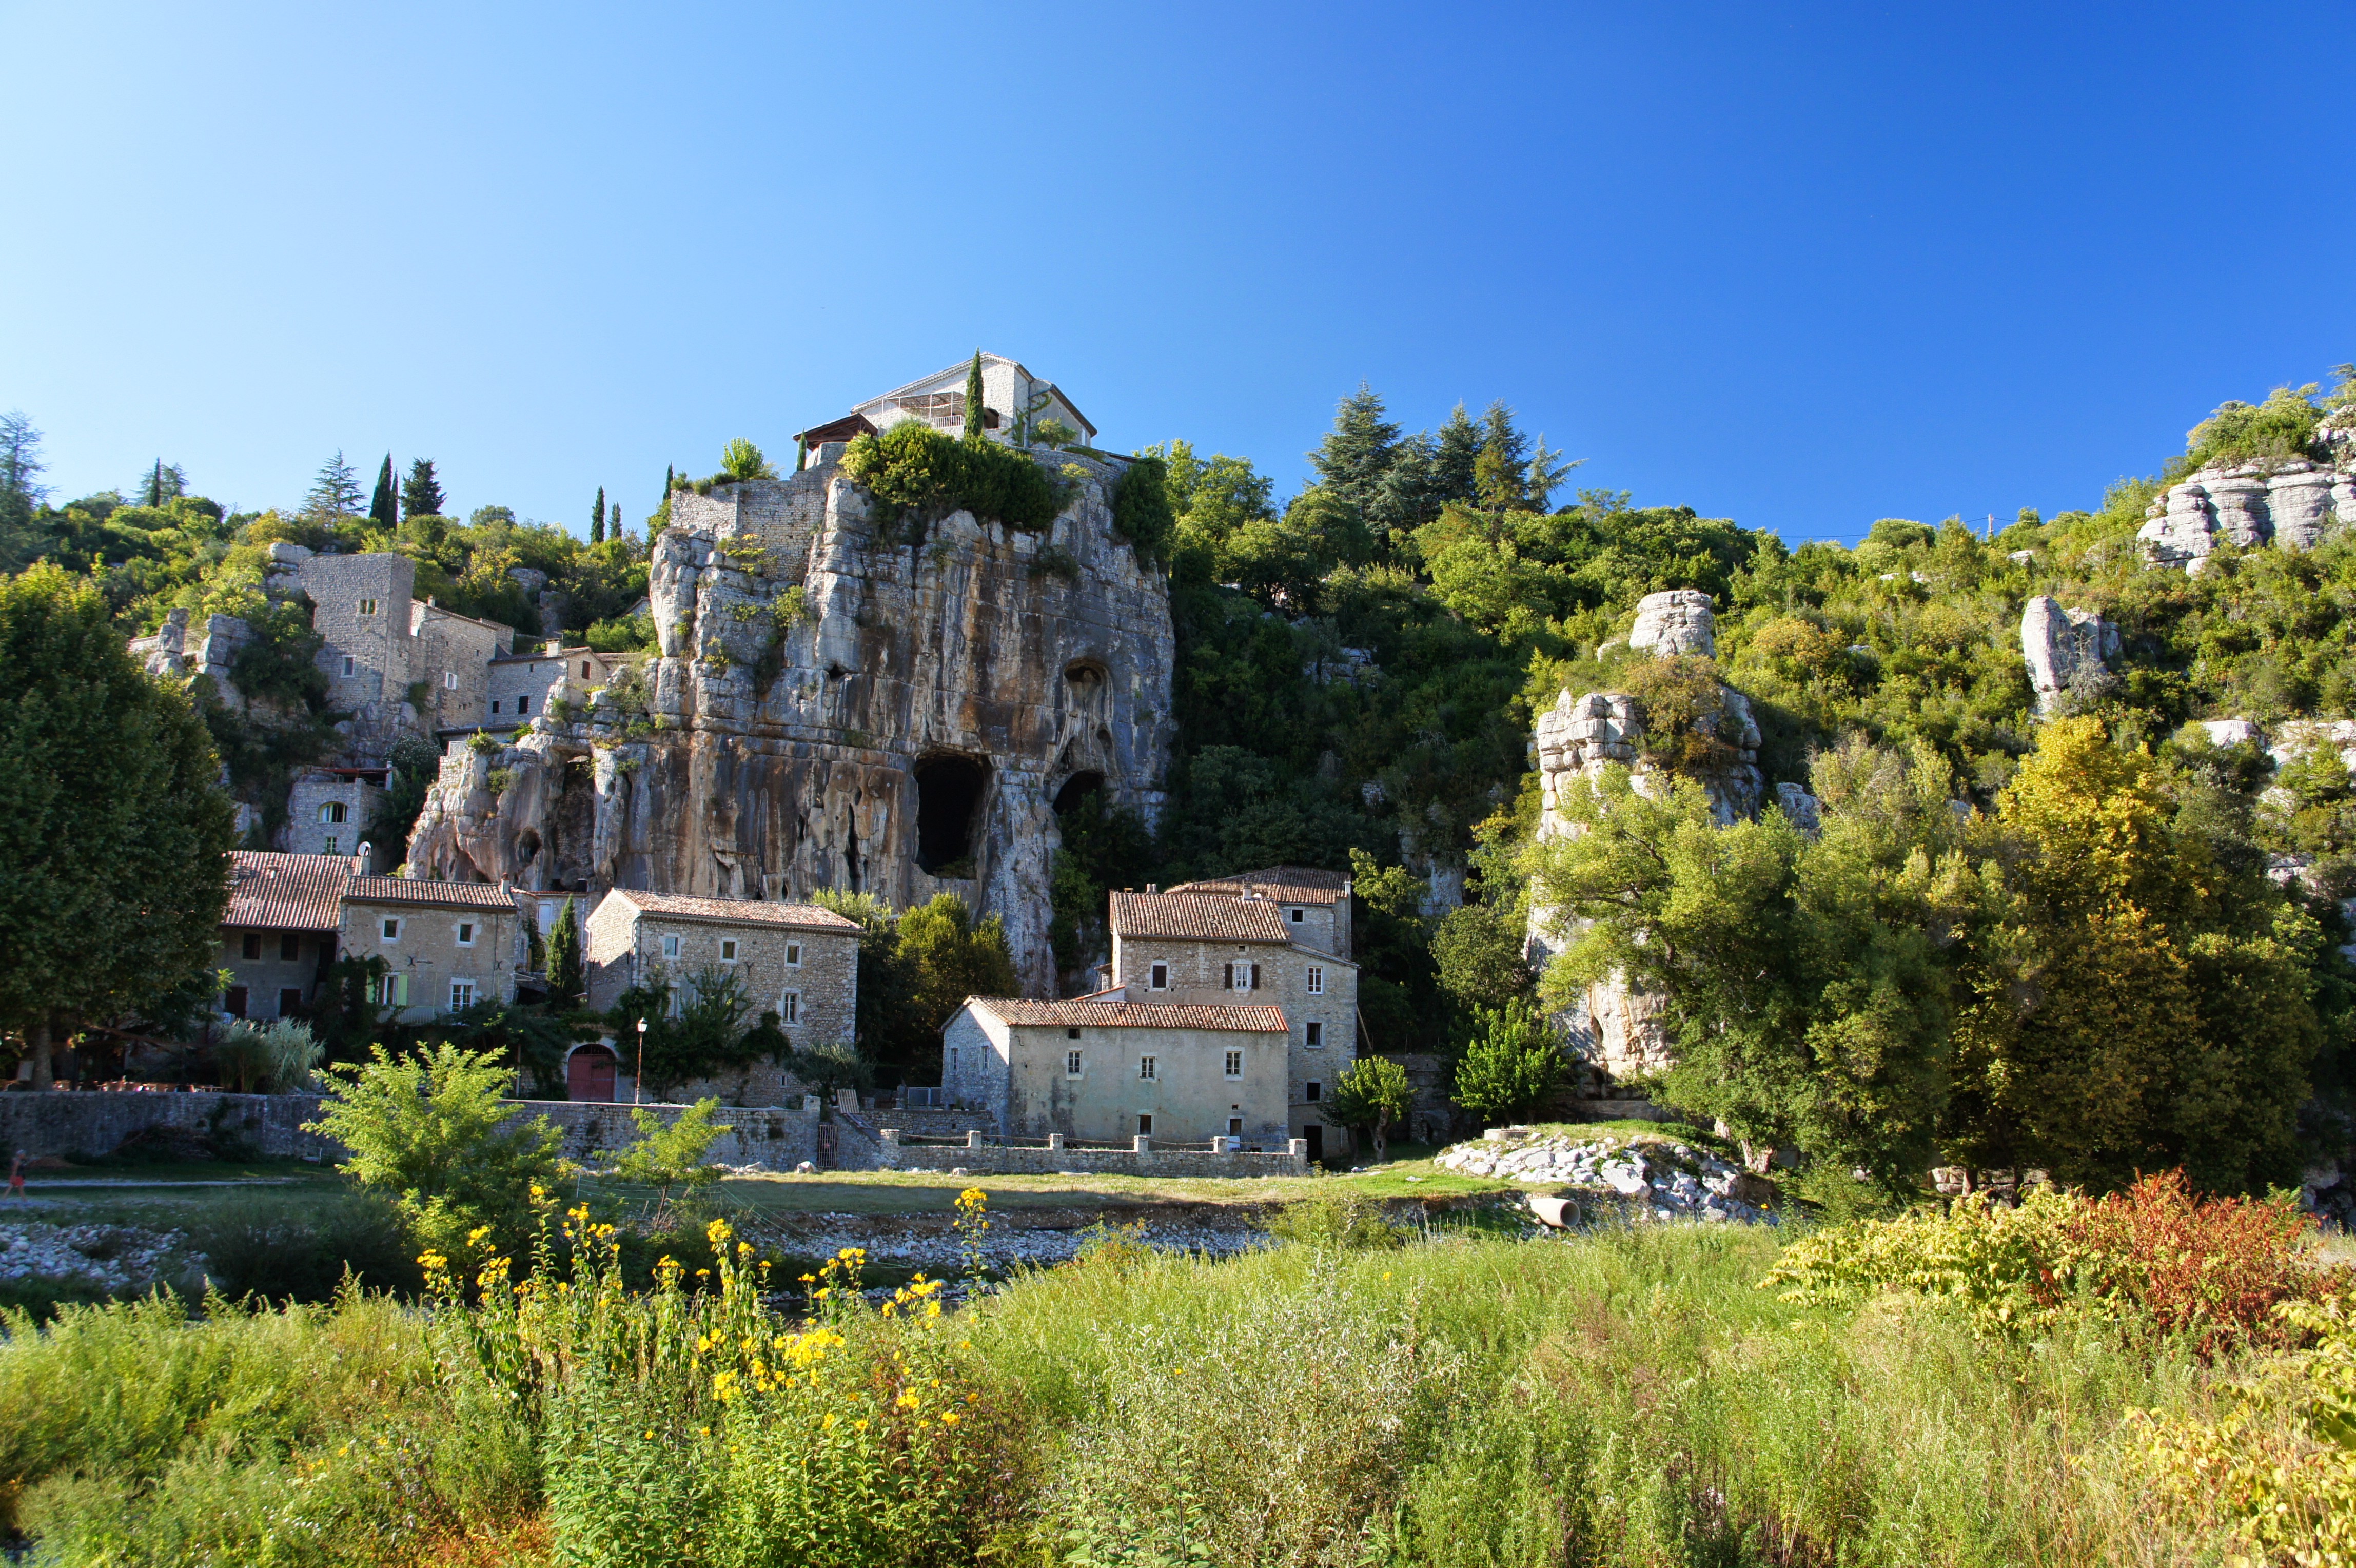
(1618, 1111)
(999, 1159)
(89, 1125)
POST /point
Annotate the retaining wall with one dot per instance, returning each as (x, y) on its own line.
(88, 1125)
(999, 1159)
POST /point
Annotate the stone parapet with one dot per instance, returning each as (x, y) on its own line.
(1000, 1159)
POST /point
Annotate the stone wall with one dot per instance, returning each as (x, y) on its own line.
(999, 1159)
(88, 1125)
(789, 753)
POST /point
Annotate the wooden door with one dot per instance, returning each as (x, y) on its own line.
(589, 1075)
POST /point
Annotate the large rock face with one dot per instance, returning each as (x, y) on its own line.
(1615, 1028)
(2064, 648)
(835, 706)
(2292, 504)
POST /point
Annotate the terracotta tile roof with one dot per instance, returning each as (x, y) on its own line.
(1197, 917)
(284, 892)
(736, 911)
(1132, 1016)
(1282, 884)
(431, 894)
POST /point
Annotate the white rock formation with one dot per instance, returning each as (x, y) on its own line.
(2232, 732)
(1800, 808)
(2062, 647)
(1678, 621)
(2292, 504)
(1647, 1179)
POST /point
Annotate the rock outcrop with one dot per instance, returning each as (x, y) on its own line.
(171, 650)
(837, 704)
(1637, 1178)
(1620, 1030)
(2066, 651)
(1678, 621)
(2294, 504)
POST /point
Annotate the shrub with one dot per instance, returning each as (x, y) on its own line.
(1350, 1223)
(2154, 1260)
(921, 476)
(264, 1248)
(1141, 508)
(741, 460)
(277, 1058)
(1514, 1068)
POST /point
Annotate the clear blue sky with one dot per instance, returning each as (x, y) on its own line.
(1802, 266)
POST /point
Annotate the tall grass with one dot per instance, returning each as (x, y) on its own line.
(1629, 1398)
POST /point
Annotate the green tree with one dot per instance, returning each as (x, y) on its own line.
(1391, 938)
(598, 518)
(744, 461)
(564, 981)
(1501, 471)
(1371, 1094)
(1478, 949)
(670, 1156)
(889, 1028)
(335, 493)
(952, 956)
(973, 426)
(164, 483)
(20, 458)
(421, 493)
(114, 836)
(1357, 454)
(1512, 1067)
(434, 1130)
(384, 506)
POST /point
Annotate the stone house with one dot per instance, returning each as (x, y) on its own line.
(445, 945)
(329, 810)
(450, 661)
(522, 686)
(1008, 390)
(1242, 949)
(278, 932)
(1315, 904)
(798, 961)
(1104, 1066)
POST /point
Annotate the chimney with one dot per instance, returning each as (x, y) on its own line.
(1154, 887)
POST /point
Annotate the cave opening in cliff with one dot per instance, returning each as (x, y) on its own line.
(948, 808)
(1077, 789)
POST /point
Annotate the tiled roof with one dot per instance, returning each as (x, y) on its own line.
(1197, 917)
(284, 892)
(736, 912)
(1282, 884)
(1132, 1016)
(432, 895)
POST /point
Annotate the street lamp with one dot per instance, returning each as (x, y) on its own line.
(637, 1077)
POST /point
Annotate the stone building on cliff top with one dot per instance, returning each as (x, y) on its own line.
(834, 707)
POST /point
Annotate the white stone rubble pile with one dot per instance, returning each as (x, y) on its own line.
(1655, 1178)
(109, 1257)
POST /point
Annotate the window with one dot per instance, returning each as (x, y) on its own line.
(584, 670)
(1145, 1124)
(462, 995)
(390, 990)
(252, 946)
(233, 1002)
(1072, 1031)
(1071, 1064)
(368, 607)
(789, 1007)
(1235, 1064)
(1316, 980)
(793, 955)
(1234, 1126)
(676, 1007)
(728, 950)
(523, 704)
(1313, 1091)
(671, 947)
(351, 665)
(392, 928)
(290, 1002)
(495, 704)
(334, 812)
(1316, 1035)
(449, 679)
(290, 948)
(466, 933)
(329, 847)
(1293, 914)
(1161, 980)
(1145, 1068)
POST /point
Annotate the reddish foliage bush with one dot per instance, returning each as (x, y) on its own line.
(2210, 1267)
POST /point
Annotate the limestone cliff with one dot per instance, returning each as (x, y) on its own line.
(2067, 652)
(836, 706)
(2292, 503)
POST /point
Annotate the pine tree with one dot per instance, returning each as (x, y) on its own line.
(1357, 453)
(598, 518)
(336, 492)
(1453, 455)
(1547, 475)
(564, 956)
(973, 398)
(20, 461)
(155, 484)
(166, 482)
(1501, 472)
(421, 493)
(384, 506)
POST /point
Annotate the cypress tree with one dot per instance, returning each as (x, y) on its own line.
(801, 453)
(564, 956)
(973, 398)
(598, 518)
(155, 485)
(384, 506)
(421, 493)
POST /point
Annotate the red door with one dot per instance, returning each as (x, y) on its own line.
(589, 1075)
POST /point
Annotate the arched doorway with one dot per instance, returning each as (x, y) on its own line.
(589, 1075)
